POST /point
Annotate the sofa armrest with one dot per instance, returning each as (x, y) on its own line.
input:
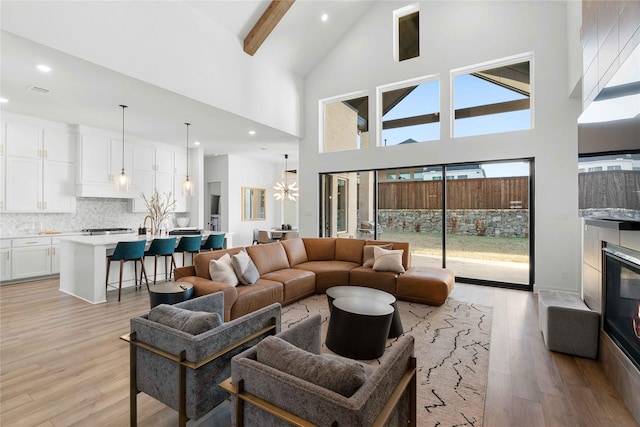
(185, 271)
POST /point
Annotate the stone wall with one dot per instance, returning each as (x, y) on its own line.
(470, 222)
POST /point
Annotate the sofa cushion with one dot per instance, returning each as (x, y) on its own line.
(320, 248)
(296, 252)
(343, 376)
(349, 250)
(244, 268)
(221, 270)
(191, 322)
(387, 260)
(268, 257)
(367, 254)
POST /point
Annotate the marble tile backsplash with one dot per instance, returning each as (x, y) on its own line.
(90, 213)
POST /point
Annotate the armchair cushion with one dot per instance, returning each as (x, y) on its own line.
(244, 268)
(191, 322)
(341, 375)
(387, 260)
(221, 270)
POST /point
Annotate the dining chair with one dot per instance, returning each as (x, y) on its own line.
(263, 237)
(189, 244)
(128, 251)
(256, 236)
(290, 235)
(165, 248)
(213, 242)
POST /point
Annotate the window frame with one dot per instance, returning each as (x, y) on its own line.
(510, 60)
(401, 13)
(380, 90)
(322, 103)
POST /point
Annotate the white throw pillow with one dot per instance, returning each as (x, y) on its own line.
(245, 268)
(387, 260)
(221, 270)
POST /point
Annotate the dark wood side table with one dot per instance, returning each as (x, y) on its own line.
(169, 293)
(358, 327)
(374, 294)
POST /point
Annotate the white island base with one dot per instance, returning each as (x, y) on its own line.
(83, 265)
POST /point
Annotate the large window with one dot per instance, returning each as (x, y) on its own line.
(492, 98)
(345, 123)
(410, 113)
(476, 222)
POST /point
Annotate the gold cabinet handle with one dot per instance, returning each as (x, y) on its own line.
(48, 251)
(44, 206)
(39, 205)
(46, 154)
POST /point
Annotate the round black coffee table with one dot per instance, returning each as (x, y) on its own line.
(169, 293)
(373, 294)
(358, 327)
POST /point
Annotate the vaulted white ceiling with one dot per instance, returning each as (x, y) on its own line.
(87, 85)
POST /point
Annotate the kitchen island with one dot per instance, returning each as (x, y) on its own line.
(83, 264)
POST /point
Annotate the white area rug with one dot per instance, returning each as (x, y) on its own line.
(452, 351)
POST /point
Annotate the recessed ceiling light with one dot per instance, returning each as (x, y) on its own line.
(3, 100)
(252, 132)
(43, 68)
(324, 17)
(196, 142)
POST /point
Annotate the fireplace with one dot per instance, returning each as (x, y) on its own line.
(622, 299)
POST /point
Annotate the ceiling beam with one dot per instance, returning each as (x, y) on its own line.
(265, 25)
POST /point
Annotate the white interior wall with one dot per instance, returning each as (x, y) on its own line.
(457, 34)
(235, 172)
(156, 40)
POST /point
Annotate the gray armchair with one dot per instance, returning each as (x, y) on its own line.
(266, 396)
(183, 370)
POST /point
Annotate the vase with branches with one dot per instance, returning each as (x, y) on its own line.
(159, 206)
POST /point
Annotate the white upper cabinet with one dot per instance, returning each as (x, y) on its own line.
(24, 140)
(38, 166)
(153, 169)
(100, 161)
(59, 146)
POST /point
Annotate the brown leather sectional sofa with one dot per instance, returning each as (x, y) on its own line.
(293, 269)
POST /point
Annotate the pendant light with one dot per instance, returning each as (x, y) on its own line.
(187, 185)
(283, 188)
(122, 180)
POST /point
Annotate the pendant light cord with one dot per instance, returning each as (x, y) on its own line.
(123, 107)
(187, 151)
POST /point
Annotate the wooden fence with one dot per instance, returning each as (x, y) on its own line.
(475, 193)
(611, 189)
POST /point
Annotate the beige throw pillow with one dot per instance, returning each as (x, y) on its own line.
(367, 254)
(387, 260)
(245, 269)
(221, 270)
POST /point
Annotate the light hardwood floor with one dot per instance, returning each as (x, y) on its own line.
(62, 363)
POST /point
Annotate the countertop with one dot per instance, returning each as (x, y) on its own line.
(616, 224)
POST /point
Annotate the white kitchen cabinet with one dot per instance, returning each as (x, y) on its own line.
(3, 183)
(24, 140)
(100, 158)
(30, 257)
(55, 259)
(153, 169)
(34, 185)
(23, 185)
(181, 199)
(5, 260)
(58, 194)
(38, 168)
(59, 145)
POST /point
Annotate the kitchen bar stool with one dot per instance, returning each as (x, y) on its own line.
(190, 244)
(165, 248)
(213, 242)
(128, 251)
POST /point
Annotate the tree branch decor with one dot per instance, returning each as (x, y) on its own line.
(159, 206)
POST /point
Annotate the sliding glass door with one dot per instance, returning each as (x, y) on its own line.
(474, 219)
(488, 221)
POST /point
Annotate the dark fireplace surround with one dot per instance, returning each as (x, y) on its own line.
(616, 243)
(621, 314)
